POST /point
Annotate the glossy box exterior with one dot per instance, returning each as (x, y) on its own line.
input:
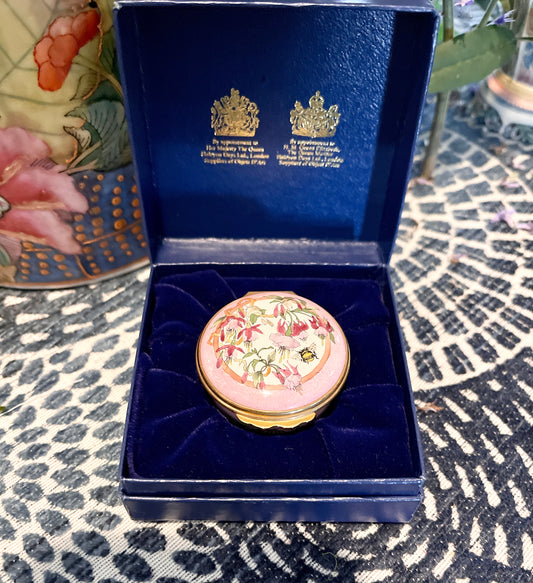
(343, 226)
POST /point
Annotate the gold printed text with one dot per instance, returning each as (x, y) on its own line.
(311, 154)
(235, 152)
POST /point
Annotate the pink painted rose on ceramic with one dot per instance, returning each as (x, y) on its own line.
(69, 207)
(37, 198)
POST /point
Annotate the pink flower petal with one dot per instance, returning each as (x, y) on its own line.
(517, 164)
(12, 246)
(60, 26)
(293, 381)
(509, 184)
(36, 185)
(282, 341)
(17, 143)
(321, 331)
(525, 227)
(43, 227)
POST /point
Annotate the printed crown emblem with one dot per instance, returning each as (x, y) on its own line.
(234, 115)
(315, 121)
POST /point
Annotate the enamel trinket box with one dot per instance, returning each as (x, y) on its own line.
(272, 360)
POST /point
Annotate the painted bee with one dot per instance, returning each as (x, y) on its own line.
(308, 354)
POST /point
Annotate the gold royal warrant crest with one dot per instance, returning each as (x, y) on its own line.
(315, 121)
(234, 115)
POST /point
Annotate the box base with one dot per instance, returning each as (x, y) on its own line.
(276, 509)
(182, 460)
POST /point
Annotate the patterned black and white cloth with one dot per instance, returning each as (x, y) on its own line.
(464, 288)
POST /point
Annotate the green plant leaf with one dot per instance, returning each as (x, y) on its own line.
(108, 56)
(5, 259)
(470, 57)
(103, 137)
(438, 7)
(83, 136)
(507, 5)
(86, 85)
(483, 3)
(253, 318)
(104, 92)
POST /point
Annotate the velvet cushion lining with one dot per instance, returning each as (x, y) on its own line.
(175, 432)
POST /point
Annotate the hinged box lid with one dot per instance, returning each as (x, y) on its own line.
(276, 120)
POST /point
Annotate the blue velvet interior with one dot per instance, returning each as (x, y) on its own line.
(175, 432)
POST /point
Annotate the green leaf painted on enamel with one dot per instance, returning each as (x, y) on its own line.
(253, 318)
(470, 57)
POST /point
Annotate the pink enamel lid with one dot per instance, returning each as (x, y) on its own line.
(272, 359)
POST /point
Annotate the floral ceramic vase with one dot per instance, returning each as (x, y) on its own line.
(69, 210)
(506, 102)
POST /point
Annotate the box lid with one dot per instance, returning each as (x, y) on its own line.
(276, 120)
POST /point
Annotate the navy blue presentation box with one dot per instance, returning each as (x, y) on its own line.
(273, 143)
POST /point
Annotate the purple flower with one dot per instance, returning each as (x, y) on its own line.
(463, 3)
(505, 215)
(526, 227)
(509, 184)
(502, 19)
(456, 258)
(518, 164)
